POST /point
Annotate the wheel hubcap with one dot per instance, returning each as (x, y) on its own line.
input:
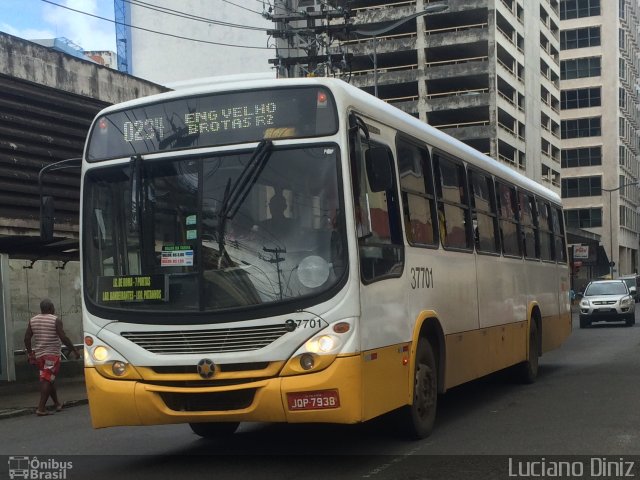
(425, 392)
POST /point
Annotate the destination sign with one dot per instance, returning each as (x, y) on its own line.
(211, 120)
(132, 288)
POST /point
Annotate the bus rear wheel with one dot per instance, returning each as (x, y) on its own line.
(420, 416)
(214, 430)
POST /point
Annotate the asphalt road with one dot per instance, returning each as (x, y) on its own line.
(585, 402)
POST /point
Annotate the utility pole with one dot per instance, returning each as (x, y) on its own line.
(277, 259)
(304, 32)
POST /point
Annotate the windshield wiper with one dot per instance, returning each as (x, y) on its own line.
(234, 195)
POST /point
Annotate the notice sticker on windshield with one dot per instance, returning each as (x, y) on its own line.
(192, 234)
(177, 258)
(191, 220)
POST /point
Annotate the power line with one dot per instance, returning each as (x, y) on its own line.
(209, 42)
(240, 6)
(178, 13)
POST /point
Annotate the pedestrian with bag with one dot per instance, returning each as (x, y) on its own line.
(43, 341)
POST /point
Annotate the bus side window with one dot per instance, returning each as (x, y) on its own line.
(509, 228)
(528, 224)
(377, 220)
(414, 165)
(546, 230)
(484, 212)
(453, 208)
(560, 250)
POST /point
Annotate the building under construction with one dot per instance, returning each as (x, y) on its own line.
(484, 71)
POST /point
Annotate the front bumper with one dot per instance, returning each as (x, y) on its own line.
(606, 314)
(128, 402)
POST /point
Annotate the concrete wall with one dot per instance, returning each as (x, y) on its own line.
(44, 280)
(35, 63)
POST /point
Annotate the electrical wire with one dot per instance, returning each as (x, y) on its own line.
(197, 18)
(240, 6)
(209, 42)
(283, 5)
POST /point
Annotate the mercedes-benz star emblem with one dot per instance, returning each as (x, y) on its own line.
(206, 368)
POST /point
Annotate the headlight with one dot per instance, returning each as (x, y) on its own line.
(322, 344)
(100, 353)
(584, 303)
(626, 301)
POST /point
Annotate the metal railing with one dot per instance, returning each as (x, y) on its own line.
(412, 66)
(385, 37)
(479, 123)
(459, 28)
(456, 61)
(458, 93)
(64, 352)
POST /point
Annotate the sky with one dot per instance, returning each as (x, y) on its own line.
(42, 19)
(35, 19)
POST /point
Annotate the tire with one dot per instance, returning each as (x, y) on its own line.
(584, 322)
(631, 319)
(214, 430)
(417, 419)
(527, 371)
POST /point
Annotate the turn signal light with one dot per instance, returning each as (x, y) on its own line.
(341, 327)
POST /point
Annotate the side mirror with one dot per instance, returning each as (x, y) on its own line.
(632, 290)
(379, 171)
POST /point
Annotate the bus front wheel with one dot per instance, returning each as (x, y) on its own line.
(214, 430)
(420, 416)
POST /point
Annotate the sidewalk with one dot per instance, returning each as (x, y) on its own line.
(21, 397)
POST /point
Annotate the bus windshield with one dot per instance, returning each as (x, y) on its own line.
(214, 233)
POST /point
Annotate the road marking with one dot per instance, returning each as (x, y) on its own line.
(375, 471)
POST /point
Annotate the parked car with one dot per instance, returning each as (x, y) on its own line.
(608, 301)
(633, 281)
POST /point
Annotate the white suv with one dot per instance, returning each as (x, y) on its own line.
(609, 301)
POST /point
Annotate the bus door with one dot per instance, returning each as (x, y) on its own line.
(384, 318)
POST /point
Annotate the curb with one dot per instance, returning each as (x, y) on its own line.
(20, 412)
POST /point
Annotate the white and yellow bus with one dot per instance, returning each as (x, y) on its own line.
(300, 251)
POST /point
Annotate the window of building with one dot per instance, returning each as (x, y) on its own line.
(580, 38)
(581, 187)
(622, 97)
(579, 9)
(581, 127)
(580, 98)
(581, 157)
(580, 68)
(584, 217)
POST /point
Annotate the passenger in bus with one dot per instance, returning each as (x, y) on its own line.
(279, 226)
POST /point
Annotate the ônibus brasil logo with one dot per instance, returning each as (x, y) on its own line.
(33, 468)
